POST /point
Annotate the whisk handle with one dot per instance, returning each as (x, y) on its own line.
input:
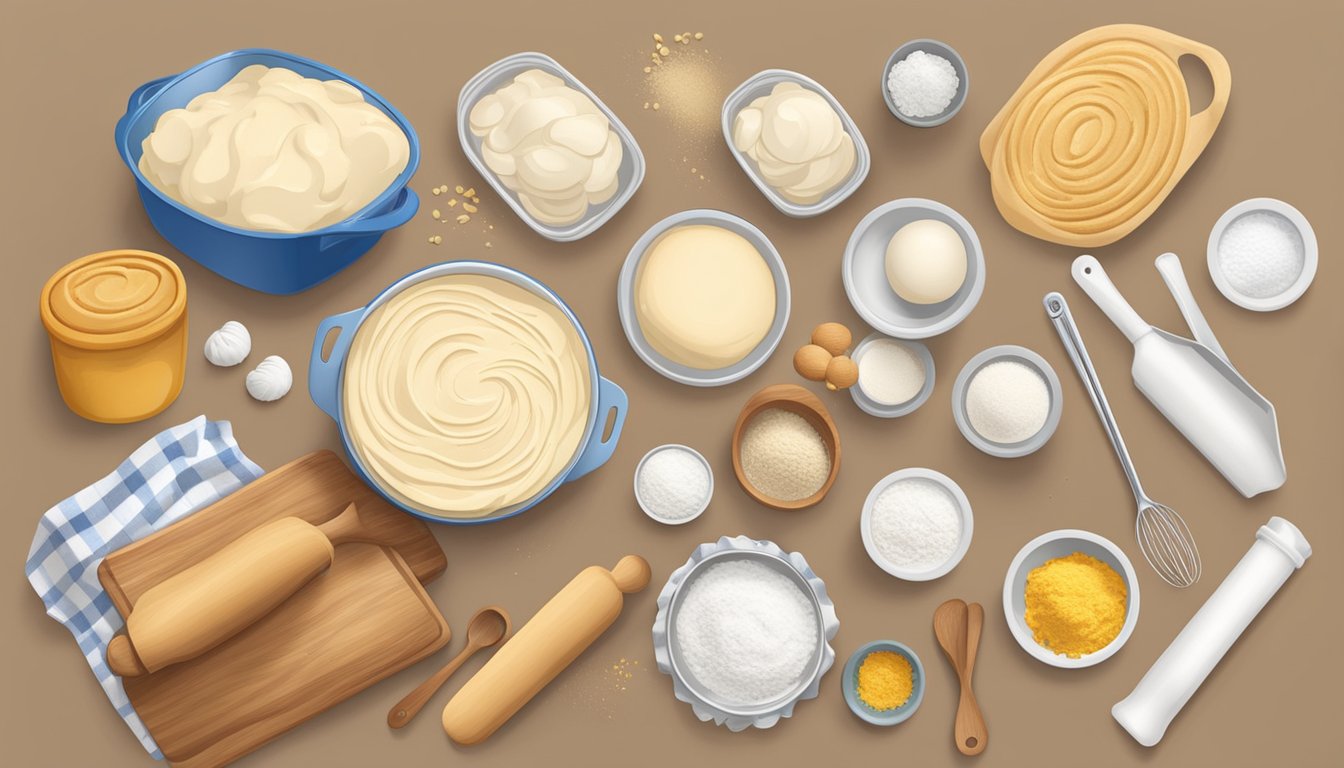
(1060, 316)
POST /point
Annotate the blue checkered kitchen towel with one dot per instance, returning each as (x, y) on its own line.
(181, 470)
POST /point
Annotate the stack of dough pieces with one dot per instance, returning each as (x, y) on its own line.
(798, 142)
(550, 144)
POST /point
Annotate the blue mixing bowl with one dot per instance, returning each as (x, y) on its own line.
(326, 383)
(270, 262)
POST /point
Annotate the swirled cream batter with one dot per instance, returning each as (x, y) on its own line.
(466, 394)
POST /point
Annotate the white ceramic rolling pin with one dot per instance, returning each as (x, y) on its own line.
(1279, 549)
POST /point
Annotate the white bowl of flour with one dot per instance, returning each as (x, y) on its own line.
(916, 524)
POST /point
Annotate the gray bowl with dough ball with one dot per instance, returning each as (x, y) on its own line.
(626, 300)
(1016, 354)
(863, 270)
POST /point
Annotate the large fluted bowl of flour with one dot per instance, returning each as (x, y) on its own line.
(718, 632)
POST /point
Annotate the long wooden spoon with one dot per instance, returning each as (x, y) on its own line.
(958, 627)
(488, 627)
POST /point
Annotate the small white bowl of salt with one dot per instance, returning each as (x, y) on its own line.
(1262, 254)
(673, 484)
(916, 524)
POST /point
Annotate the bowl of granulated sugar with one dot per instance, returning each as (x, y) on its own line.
(1262, 254)
(916, 524)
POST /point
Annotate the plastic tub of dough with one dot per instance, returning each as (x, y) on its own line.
(629, 175)
(270, 262)
(760, 84)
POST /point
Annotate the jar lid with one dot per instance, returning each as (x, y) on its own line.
(113, 299)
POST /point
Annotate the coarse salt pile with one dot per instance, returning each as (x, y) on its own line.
(746, 631)
(783, 457)
(923, 84)
(1007, 402)
(1261, 254)
(916, 524)
(673, 483)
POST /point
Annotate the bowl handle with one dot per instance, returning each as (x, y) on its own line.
(610, 398)
(403, 209)
(324, 376)
(139, 97)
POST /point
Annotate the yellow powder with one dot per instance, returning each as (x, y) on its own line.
(885, 680)
(1075, 604)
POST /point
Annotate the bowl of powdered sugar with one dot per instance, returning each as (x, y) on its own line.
(1007, 401)
(744, 630)
(1262, 254)
(916, 524)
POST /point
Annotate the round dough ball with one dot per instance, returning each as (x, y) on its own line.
(926, 262)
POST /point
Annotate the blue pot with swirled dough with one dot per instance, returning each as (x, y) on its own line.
(607, 403)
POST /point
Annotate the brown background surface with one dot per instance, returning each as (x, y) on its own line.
(1273, 700)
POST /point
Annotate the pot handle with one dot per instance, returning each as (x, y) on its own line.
(403, 209)
(139, 97)
(324, 376)
(610, 398)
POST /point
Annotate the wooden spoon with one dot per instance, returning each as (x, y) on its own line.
(958, 627)
(488, 627)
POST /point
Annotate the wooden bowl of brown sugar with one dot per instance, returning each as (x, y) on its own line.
(786, 448)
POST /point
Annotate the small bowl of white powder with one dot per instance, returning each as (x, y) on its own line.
(895, 376)
(1262, 254)
(925, 83)
(1007, 401)
(916, 524)
(673, 484)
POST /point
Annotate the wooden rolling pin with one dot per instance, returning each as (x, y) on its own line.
(215, 599)
(553, 638)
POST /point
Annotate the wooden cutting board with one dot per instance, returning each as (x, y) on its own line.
(1099, 134)
(366, 618)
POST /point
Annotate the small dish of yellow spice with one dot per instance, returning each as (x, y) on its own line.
(1071, 598)
(883, 682)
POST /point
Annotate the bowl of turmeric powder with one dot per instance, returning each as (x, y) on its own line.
(883, 682)
(1071, 598)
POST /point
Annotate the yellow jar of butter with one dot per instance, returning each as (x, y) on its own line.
(117, 321)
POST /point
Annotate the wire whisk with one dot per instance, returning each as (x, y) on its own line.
(1164, 538)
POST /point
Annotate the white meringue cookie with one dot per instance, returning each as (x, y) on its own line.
(228, 346)
(270, 380)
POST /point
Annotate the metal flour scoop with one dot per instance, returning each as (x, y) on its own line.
(1193, 384)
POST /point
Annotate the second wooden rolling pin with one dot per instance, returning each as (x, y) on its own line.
(553, 638)
(215, 599)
